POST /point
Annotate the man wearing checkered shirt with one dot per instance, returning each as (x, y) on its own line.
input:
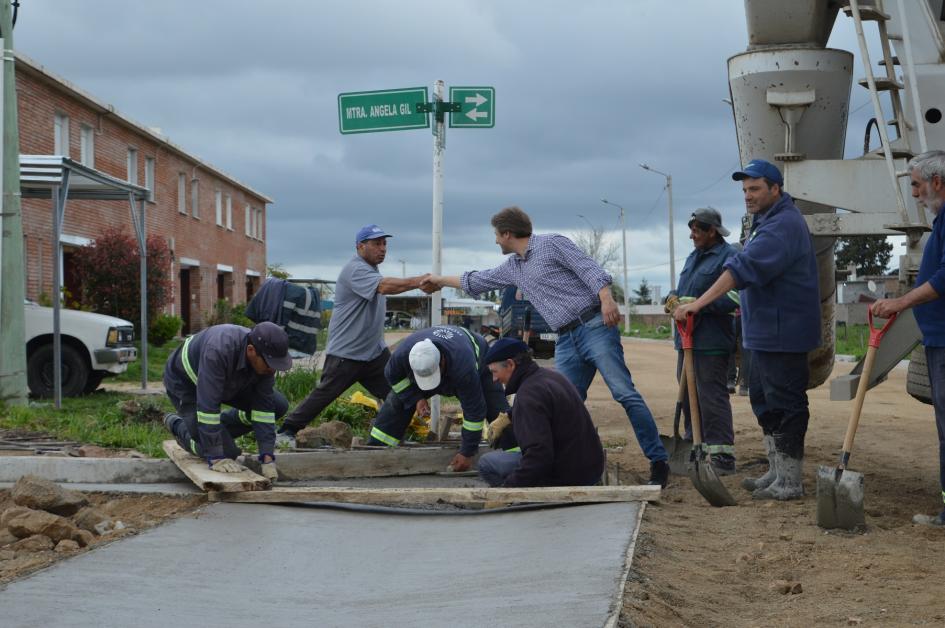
(572, 293)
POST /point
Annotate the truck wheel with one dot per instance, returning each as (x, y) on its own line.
(917, 379)
(39, 372)
(92, 383)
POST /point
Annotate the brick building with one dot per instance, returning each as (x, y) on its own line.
(214, 225)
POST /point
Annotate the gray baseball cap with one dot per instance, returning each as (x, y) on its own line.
(710, 216)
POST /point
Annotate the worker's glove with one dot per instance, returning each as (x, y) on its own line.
(672, 302)
(497, 427)
(225, 465)
(269, 471)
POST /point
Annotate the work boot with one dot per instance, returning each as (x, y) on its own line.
(285, 439)
(937, 521)
(765, 480)
(788, 484)
(170, 420)
(659, 473)
(731, 388)
(724, 464)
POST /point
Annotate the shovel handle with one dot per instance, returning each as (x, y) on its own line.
(876, 334)
(686, 330)
(693, 398)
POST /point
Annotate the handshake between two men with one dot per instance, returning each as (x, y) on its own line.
(431, 283)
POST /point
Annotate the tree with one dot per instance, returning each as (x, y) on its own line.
(643, 293)
(869, 254)
(277, 270)
(594, 242)
(110, 275)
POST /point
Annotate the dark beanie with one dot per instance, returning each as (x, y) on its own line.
(504, 349)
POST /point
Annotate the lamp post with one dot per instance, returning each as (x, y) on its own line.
(626, 290)
(403, 267)
(672, 252)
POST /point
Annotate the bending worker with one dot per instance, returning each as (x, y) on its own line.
(713, 338)
(559, 443)
(776, 275)
(235, 366)
(442, 360)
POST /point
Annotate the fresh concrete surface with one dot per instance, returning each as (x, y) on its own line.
(246, 565)
(90, 470)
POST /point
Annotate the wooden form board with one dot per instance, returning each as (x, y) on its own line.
(362, 463)
(457, 496)
(196, 469)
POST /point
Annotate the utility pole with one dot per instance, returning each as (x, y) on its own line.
(626, 288)
(12, 289)
(403, 268)
(672, 251)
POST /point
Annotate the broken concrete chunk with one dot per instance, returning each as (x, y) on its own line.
(40, 494)
(334, 433)
(41, 522)
(66, 545)
(83, 537)
(35, 543)
(90, 518)
(10, 513)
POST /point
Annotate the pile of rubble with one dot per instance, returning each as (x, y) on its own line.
(48, 517)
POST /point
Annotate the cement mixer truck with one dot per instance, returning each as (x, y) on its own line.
(790, 99)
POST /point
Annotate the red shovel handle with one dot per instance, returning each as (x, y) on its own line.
(686, 329)
(876, 334)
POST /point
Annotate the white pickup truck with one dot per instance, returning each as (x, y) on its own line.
(93, 345)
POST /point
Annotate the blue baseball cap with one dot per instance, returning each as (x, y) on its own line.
(504, 349)
(370, 232)
(757, 169)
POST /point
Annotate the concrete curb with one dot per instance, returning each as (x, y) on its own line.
(91, 470)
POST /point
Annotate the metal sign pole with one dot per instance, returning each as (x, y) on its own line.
(436, 299)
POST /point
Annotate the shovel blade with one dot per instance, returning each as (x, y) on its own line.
(678, 449)
(839, 502)
(707, 482)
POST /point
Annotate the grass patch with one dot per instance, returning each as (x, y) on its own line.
(655, 332)
(157, 358)
(852, 340)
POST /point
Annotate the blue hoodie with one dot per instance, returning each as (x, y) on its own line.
(776, 275)
(931, 316)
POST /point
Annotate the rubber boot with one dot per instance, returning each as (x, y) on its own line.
(753, 484)
(788, 484)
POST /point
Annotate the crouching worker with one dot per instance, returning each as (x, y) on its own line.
(559, 443)
(442, 360)
(235, 366)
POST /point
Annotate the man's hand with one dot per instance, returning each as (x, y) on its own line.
(430, 283)
(672, 302)
(225, 465)
(683, 309)
(884, 308)
(269, 470)
(609, 311)
(460, 463)
(423, 408)
(497, 427)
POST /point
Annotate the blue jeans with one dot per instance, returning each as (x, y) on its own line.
(593, 347)
(495, 466)
(935, 359)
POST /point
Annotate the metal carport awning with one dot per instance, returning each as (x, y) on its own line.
(60, 179)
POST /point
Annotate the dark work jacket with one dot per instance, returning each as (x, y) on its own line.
(776, 275)
(216, 371)
(297, 309)
(560, 446)
(715, 328)
(931, 316)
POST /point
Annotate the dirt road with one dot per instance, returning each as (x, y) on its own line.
(699, 565)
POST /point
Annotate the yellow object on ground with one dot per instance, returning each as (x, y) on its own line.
(364, 400)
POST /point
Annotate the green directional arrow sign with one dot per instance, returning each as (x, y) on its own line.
(382, 110)
(477, 107)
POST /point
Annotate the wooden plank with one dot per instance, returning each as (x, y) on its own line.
(458, 496)
(362, 463)
(196, 469)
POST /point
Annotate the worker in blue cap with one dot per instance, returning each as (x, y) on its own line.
(558, 441)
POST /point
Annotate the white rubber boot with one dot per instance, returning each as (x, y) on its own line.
(753, 484)
(788, 484)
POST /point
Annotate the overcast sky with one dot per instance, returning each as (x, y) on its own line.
(585, 91)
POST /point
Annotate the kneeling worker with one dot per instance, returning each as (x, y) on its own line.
(559, 443)
(442, 360)
(232, 365)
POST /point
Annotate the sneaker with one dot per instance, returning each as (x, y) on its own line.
(723, 464)
(659, 473)
(285, 440)
(170, 420)
(937, 521)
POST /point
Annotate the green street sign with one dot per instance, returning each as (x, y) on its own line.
(382, 110)
(477, 107)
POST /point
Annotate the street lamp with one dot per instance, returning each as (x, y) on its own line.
(403, 267)
(626, 291)
(672, 252)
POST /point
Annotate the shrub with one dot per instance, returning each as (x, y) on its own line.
(163, 328)
(223, 312)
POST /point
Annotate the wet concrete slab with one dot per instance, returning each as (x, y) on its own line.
(244, 564)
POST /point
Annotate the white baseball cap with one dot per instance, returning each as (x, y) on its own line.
(425, 362)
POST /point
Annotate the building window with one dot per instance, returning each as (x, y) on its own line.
(87, 146)
(182, 192)
(61, 137)
(229, 212)
(132, 166)
(149, 177)
(247, 224)
(218, 201)
(259, 228)
(195, 198)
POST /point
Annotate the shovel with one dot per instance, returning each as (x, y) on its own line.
(839, 490)
(701, 473)
(677, 447)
